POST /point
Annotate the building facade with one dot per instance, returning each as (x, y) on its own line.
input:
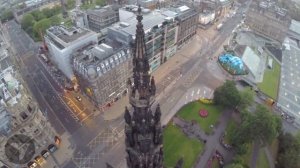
(267, 19)
(98, 19)
(161, 43)
(103, 72)
(187, 21)
(161, 35)
(19, 114)
(62, 41)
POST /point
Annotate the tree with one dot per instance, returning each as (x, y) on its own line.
(7, 15)
(266, 126)
(100, 2)
(234, 165)
(38, 15)
(247, 98)
(41, 26)
(288, 152)
(262, 125)
(47, 12)
(227, 95)
(27, 21)
(55, 20)
(71, 4)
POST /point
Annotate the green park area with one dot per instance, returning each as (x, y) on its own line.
(270, 82)
(177, 145)
(190, 112)
(229, 131)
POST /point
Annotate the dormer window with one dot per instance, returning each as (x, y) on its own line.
(23, 115)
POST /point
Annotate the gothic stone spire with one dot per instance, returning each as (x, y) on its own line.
(142, 127)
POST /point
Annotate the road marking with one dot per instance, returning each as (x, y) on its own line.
(198, 92)
(192, 93)
(86, 118)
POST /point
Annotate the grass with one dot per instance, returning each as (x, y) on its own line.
(246, 158)
(190, 112)
(88, 6)
(230, 130)
(270, 82)
(177, 145)
(262, 161)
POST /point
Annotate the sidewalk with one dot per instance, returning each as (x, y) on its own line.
(62, 156)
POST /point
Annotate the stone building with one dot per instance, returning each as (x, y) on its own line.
(267, 19)
(103, 71)
(143, 129)
(19, 113)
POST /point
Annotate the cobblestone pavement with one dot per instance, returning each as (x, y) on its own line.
(101, 144)
(173, 75)
(192, 76)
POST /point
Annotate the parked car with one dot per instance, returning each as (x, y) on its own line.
(78, 98)
(52, 148)
(32, 164)
(39, 160)
(45, 154)
(57, 140)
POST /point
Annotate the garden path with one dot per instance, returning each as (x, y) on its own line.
(270, 157)
(212, 140)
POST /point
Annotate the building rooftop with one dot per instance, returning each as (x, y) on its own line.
(106, 10)
(255, 64)
(295, 26)
(289, 92)
(128, 23)
(99, 59)
(63, 36)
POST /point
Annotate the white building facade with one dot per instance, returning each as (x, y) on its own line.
(62, 41)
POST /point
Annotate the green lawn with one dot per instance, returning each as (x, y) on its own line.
(270, 83)
(177, 145)
(246, 158)
(262, 161)
(191, 112)
(230, 130)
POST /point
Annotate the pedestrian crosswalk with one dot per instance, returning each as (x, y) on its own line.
(198, 92)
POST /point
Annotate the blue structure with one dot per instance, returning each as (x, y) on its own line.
(232, 63)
